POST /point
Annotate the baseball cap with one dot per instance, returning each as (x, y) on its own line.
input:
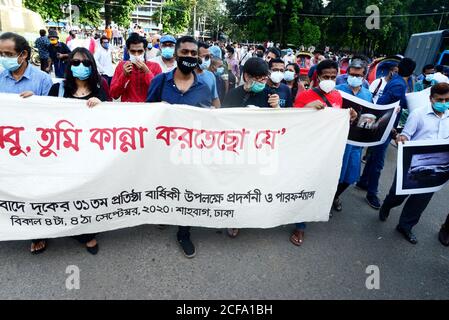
(53, 34)
(167, 38)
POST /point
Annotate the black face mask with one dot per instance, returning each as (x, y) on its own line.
(259, 54)
(187, 64)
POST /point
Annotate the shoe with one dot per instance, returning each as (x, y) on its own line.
(41, 250)
(297, 237)
(408, 235)
(373, 201)
(336, 205)
(93, 250)
(187, 247)
(384, 213)
(361, 186)
(443, 236)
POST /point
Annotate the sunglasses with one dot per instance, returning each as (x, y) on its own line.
(76, 63)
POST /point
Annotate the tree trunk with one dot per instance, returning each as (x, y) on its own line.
(107, 12)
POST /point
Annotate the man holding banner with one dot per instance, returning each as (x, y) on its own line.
(423, 124)
(350, 171)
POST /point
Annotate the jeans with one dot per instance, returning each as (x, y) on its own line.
(373, 167)
(183, 233)
(301, 226)
(413, 208)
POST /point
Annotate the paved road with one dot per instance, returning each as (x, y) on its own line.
(145, 262)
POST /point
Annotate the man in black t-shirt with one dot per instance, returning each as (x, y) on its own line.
(274, 85)
(252, 92)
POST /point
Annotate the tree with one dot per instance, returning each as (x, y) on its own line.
(175, 15)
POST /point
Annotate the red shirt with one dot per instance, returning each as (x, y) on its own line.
(305, 97)
(134, 87)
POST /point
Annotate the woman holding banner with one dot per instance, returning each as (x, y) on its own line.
(82, 81)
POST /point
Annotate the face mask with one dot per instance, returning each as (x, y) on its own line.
(327, 85)
(167, 52)
(187, 64)
(430, 77)
(355, 81)
(134, 59)
(289, 76)
(10, 64)
(53, 41)
(257, 86)
(106, 46)
(259, 54)
(219, 71)
(441, 107)
(205, 65)
(277, 77)
(81, 72)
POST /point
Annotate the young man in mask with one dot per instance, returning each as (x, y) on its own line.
(394, 91)
(252, 92)
(181, 86)
(19, 76)
(103, 58)
(260, 51)
(427, 80)
(275, 85)
(430, 123)
(166, 60)
(203, 73)
(132, 78)
(59, 53)
(217, 68)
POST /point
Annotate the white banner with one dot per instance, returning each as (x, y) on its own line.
(416, 100)
(423, 166)
(66, 169)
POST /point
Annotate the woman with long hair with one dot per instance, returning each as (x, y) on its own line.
(82, 81)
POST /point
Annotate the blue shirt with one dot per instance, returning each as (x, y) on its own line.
(42, 44)
(363, 93)
(33, 80)
(394, 91)
(343, 78)
(163, 88)
(424, 124)
(208, 78)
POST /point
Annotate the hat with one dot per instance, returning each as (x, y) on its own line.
(215, 51)
(53, 34)
(168, 38)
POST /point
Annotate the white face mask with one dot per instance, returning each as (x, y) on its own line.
(134, 59)
(277, 77)
(327, 85)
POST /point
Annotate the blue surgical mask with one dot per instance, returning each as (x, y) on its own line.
(205, 65)
(10, 64)
(106, 46)
(430, 77)
(355, 81)
(289, 76)
(81, 72)
(441, 106)
(219, 71)
(257, 86)
(167, 52)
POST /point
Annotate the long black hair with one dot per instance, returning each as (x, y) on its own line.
(94, 80)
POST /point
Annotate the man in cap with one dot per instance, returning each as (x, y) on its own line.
(166, 60)
(59, 53)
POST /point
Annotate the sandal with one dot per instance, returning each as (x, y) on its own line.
(297, 237)
(35, 243)
(93, 250)
(233, 232)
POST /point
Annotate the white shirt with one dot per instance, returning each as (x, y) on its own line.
(424, 124)
(162, 64)
(374, 86)
(103, 58)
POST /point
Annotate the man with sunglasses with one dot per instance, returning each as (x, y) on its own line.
(132, 78)
(59, 53)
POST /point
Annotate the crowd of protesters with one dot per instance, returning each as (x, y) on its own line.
(219, 75)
